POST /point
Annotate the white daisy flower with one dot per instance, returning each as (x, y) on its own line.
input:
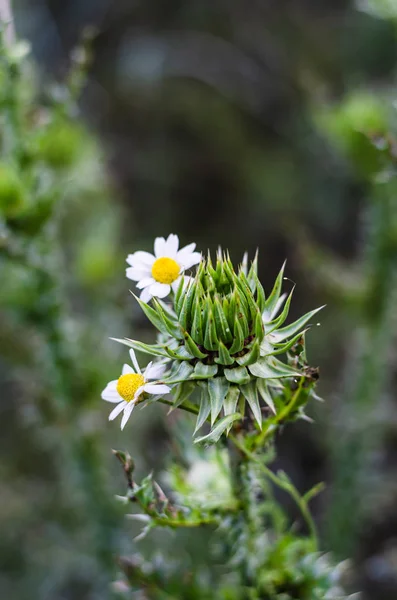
(157, 274)
(129, 387)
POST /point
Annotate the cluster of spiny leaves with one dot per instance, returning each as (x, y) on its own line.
(222, 336)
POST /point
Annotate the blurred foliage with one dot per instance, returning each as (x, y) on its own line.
(237, 124)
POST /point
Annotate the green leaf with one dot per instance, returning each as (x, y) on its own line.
(218, 387)
(259, 328)
(182, 373)
(265, 394)
(238, 342)
(231, 399)
(224, 357)
(251, 356)
(210, 337)
(153, 350)
(286, 332)
(179, 295)
(193, 348)
(179, 354)
(250, 393)
(238, 375)
(273, 325)
(202, 371)
(152, 315)
(213, 436)
(188, 297)
(260, 294)
(272, 300)
(205, 408)
(167, 308)
(242, 313)
(197, 324)
(182, 392)
(272, 370)
(282, 348)
(172, 326)
(221, 324)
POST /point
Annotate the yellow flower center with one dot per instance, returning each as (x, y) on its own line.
(165, 270)
(127, 385)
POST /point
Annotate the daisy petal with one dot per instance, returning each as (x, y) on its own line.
(145, 282)
(160, 247)
(189, 259)
(138, 393)
(154, 371)
(111, 396)
(187, 249)
(127, 413)
(116, 411)
(172, 245)
(141, 259)
(145, 294)
(160, 290)
(137, 274)
(156, 388)
(134, 361)
(127, 369)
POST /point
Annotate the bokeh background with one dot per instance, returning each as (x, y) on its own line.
(252, 124)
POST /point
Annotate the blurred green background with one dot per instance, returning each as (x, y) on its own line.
(251, 124)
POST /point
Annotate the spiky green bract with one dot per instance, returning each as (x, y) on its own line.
(223, 335)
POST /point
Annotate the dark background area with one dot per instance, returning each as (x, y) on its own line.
(234, 124)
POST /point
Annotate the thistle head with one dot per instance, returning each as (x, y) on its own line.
(220, 314)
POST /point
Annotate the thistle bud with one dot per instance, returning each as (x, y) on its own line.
(223, 336)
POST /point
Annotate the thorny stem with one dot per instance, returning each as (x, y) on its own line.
(286, 486)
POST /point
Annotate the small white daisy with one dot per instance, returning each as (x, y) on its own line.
(128, 388)
(157, 274)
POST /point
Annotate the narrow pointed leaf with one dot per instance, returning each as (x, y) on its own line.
(179, 296)
(171, 325)
(272, 300)
(265, 394)
(205, 408)
(282, 334)
(259, 329)
(218, 387)
(179, 354)
(273, 325)
(272, 370)
(230, 403)
(221, 324)
(197, 331)
(153, 350)
(188, 297)
(210, 337)
(251, 356)
(193, 348)
(182, 373)
(224, 357)
(238, 375)
(282, 348)
(238, 342)
(202, 371)
(152, 315)
(167, 308)
(213, 436)
(250, 393)
(182, 392)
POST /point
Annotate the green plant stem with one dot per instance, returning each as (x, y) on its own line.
(186, 405)
(286, 486)
(270, 426)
